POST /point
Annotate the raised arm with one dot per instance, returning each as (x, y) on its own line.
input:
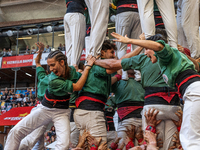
(136, 51)
(143, 43)
(41, 49)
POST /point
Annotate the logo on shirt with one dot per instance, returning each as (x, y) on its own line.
(165, 78)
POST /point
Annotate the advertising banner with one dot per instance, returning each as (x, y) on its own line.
(17, 61)
(13, 116)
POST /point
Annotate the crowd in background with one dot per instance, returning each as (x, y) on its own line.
(22, 98)
(9, 52)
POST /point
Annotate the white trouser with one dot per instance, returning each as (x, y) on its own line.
(35, 139)
(111, 136)
(166, 8)
(74, 136)
(87, 46)
(190, 128)
(41, 116)
(188, 26)
(74, 25)
(166, 128)
(137, 122)
(127, 23)
(99, 15)
(92, 121)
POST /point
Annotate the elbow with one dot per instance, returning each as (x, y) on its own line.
(110, 66)
(76, 87)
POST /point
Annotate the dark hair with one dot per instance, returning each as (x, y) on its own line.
(58, 55)
(157, 37)
(48, 70)
(108, 45)
(162, 32)
(81, 66)
(131, 72)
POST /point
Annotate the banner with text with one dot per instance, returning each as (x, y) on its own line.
(17, 61)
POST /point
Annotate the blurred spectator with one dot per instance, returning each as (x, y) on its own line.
(25, 104)
(60, 47)
(32, 102)
(11, 92)
(14, 97)
(33, 51)
(47, 49)
(63, 48)
(19, 98)
(27, 91)
(27, 50)
(33, 90)
(6, 91)
(9, 53)
(4, 96)
(18, 104)
(31, 95)
(4, 53)
(26, 98)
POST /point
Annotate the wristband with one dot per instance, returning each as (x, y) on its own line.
(180, 147)
(140, 140)
(129, 145)
(113, 146)
(88, 66)
(119, 77)
(179, 128)
(130, 138)
(94, 147)
(151, 128)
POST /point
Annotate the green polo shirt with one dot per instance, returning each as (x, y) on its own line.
(98, 81)
(150, 73)
(111, 103)
(42, 82)
(61, 87)
(128, 90)
(172, 62)
(73, 97)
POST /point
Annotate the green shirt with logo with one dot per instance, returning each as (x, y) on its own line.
(172, 62)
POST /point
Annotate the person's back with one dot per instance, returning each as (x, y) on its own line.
(97, 91)
(129, 98)
(93, 97)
